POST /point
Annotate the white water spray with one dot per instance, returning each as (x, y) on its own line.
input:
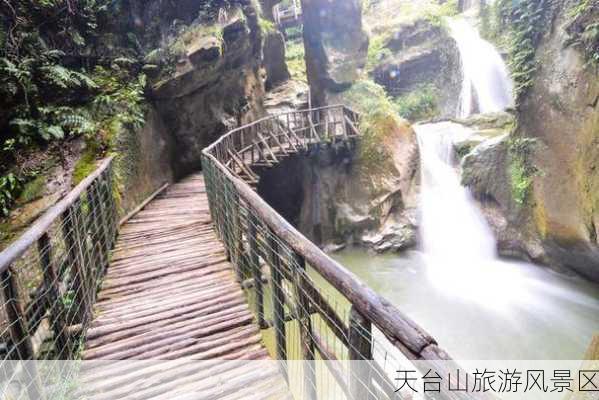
(458, 243)
(486, 84)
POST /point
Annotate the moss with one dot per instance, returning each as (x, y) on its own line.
(86, 164)
(6, 233)
(32, 190)
(378, 120)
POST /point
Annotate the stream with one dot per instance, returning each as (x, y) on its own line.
(537, 315)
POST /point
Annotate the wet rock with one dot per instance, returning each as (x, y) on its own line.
(288, 96)
(334, 247)
(393, 237)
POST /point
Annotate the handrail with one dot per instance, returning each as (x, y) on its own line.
(395, 325)
(29, 238)
(392, 322)
(52, 271)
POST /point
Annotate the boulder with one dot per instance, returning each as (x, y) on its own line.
(422, 54)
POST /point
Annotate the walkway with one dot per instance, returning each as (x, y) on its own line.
(170, 293)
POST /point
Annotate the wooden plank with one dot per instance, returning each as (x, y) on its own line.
(169, 293)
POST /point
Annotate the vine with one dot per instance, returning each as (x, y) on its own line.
(583, 29)
(525, 22)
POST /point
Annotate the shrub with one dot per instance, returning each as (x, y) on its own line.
(378, 118)
(419, 104)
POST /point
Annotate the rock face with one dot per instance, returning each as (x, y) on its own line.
(145, 160)
(336, 46)
(274, 60)
(421, 54)
(485, 171)
(562, 112)
(329, 198)
(208, 97)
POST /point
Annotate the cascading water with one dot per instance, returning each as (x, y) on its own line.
(486, 84)
(458, 243)
(459, 246)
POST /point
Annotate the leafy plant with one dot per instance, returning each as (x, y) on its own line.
(378, 118)
(521, 169)
(525, 22)
(420, 103)
(9, 185)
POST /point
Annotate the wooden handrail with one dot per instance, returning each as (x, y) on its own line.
(42, 224)
(398, 328)
(401, 331)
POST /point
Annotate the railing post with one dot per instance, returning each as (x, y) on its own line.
(305, 326)
(238, 237)
(14, 314)
(73, 241)
(360, 354)
(53, 294)
(278, 300)
(255, 267)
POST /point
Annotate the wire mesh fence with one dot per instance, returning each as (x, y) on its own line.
(49, 276)
(309, 306)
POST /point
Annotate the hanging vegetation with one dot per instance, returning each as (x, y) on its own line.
(52, 85)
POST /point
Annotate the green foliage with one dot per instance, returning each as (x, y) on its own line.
(521, 168)
(32, 190)
(266, 25)
(10, 184)
(377, 51)
(378, 118)
(296, 63)
(419, 104)
(436, 13)
(583, 29)
(525, 22)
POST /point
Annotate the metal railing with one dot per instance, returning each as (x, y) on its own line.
(311, 304)
(50, 275)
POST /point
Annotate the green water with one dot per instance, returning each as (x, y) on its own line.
(534, 313)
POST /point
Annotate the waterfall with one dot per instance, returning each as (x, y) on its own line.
(486, 84)
(453, 229)
(458, 244)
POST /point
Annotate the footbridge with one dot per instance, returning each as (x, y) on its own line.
(205, 269)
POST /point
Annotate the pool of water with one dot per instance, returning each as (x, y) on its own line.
(506, 311)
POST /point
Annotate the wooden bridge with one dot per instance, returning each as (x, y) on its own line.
(204, 270)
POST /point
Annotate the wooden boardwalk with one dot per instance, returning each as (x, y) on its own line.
(170, 294)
